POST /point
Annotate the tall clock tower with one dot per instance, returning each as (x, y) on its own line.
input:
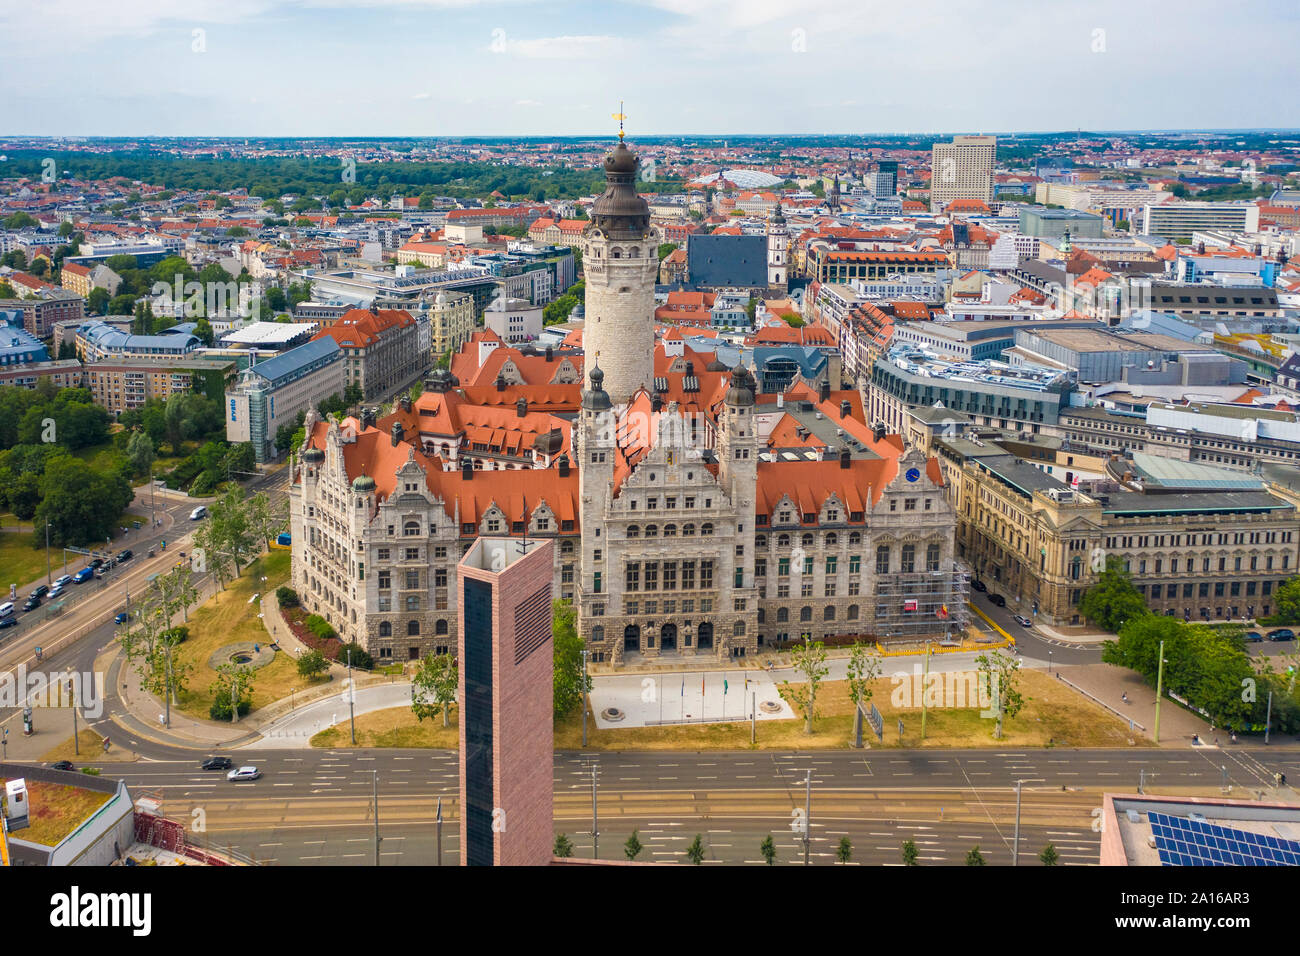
(620, 261)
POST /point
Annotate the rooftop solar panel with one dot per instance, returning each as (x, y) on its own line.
(1184, 842)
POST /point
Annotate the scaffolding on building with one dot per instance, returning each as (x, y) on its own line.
(924, 604)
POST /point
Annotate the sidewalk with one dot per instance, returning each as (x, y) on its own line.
(1074, 635)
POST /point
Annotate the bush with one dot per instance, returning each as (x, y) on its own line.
(176, 635)
(286, 596)
(360, 659)
(220, 709)
(321, 627)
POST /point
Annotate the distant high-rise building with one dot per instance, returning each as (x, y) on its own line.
(884, 181)
(962, 169)
(506, 694)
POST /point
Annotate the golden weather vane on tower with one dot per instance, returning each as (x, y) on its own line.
(620, 116)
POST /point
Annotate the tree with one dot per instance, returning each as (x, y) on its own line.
(204, 331)
(360, 658)
(1287, 600)
(911, 856)
(768, 849)
(352, 394)
(563, 848)
(80, 504)
(998, 674)
(975, 857)
(569, 681)
(844, 852)
(1049, 856)
(863, 669)
(433, 690)
(633, 847)
(666, 249)
(810, 661)
(139, 452)
(695, 852)
(312, 664)
(1113, 599)
(233, 682)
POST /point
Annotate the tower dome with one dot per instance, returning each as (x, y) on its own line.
(619, 212)
(363, 484)
(596, 399)
(741, 391)
(314, 455)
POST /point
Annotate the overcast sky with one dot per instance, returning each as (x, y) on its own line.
(515, 67)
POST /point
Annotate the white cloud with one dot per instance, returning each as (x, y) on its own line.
(565, 47)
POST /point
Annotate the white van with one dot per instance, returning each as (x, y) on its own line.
(6, 609)
(199, 513)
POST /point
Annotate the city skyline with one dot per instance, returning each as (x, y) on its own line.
(461, 67)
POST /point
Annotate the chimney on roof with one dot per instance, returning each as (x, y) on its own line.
(521, 407)
(879, 431)
(550, 354)
(844, 458)
(367, 418)
(824, 392)
(845, 408)
(405, 403)
(657, 402)
(398, 433)
(564, 466)
(501, 383)
(466, 468)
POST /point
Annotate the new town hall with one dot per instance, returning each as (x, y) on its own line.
(691, 515)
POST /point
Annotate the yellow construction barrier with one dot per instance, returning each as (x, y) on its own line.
(991, 623)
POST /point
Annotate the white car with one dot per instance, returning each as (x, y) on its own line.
(199, 513)
(63, 582)
(56, 590)
(244, 773)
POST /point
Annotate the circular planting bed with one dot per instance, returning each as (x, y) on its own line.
(612, 714)
(242, 654)
(770, 707)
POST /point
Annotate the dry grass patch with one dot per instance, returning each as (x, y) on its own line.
(1053, 715)
(227, 618)
(394, 727)
(92, 745)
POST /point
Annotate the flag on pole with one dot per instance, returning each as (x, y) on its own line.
(701, 683)
(724, 687)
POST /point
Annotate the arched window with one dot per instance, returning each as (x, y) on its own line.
(738, 629)
(440, 627)
(652, 531)
(412, 628)
(670, 531)
(760, 541)
(828, 613)
(782, 615)
(806, 541)
(566, 547)
(385, 629)
(688, 530)
(634, 252)
(597, 634)
(832, 540)
(762, 615)
(853, 612)
(411, 529)
(783, 541)
(805, 613)
(854, 538)
(706, 529)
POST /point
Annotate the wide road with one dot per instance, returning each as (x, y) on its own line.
(86, 607)
(315, 806)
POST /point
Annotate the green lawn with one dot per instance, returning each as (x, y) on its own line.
(19, 561)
